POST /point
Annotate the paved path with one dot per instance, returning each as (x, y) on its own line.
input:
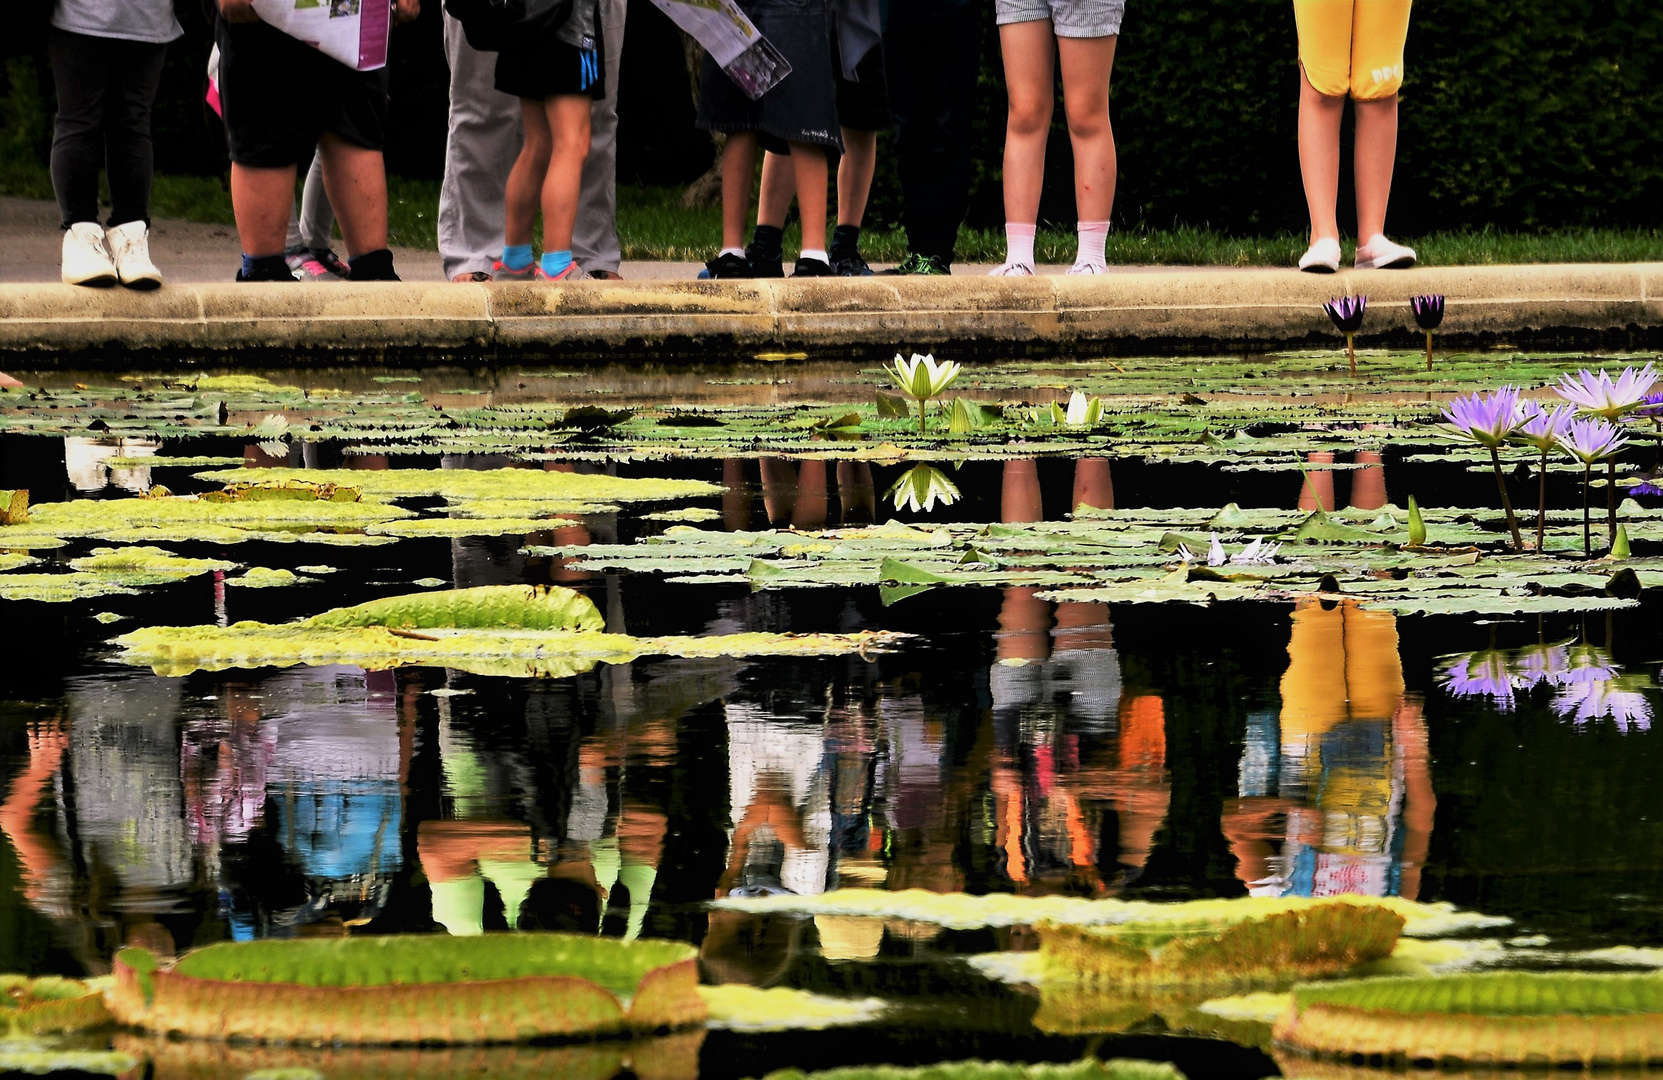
(189, 252)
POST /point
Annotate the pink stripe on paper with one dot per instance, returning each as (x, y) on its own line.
(375, 23)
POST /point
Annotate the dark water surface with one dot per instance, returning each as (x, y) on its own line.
(1014, 745)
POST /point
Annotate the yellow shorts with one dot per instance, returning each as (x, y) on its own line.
(1352, 46)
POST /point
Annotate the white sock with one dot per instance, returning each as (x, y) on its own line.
(1019, 243)
(818, 254)
(733, 251)
(1094, 238)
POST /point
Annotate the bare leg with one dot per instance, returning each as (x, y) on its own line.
(526, 178)
(738, 172)
(1319, 157)
(1086, 66)
(808, 162)
(1030, 50)
(568, 121)
(356, 182)
(779, 183)
(854, 175)
(1375, 156)
(261, 200)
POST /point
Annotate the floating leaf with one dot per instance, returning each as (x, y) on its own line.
(37, 1060)
(468, 484)
(892, 406)
(264, 577)
(49, 1005)
(1089, 1069)
(280, 490)
(412, 988)
(147, 560)
(14, 507)
(11, 561)
(499, 607)
(735, 1007)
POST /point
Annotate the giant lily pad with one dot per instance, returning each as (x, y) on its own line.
(49, 1005)
(582, 489)
(1498, 1018)
(401, 988)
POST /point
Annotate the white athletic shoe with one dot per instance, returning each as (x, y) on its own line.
(1322, 257)
(1011, 269)
(129, 246)
(86, 260)
(1381, 254)
(1088, 268)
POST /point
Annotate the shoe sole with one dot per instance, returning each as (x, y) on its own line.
(100, 281)
(144, 284)
(1319, 268)
(1402, 262)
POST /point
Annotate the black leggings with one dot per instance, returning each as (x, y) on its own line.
(105, 89)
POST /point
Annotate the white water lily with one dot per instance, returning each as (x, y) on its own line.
(1081, 411)
(922, 378)
(921, 487)
(1258, 553)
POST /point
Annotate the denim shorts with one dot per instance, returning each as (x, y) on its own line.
(1069, 18)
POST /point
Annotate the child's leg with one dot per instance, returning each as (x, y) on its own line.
(779, 183)
(1086, 65)
(738, 169)
(1325, 76)
(568, 123)
(1029, 50)
(854, 175)
(808, 162)
(525, 179)
(1378, 35)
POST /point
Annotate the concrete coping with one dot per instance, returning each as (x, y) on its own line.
(1123, 312)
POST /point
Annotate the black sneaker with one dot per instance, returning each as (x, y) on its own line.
(813, 268)
(729, 266)
(852, 266)
(925, 265)
(266, 274)
(761, 265)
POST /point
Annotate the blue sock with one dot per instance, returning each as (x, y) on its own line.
(556, 261)
(516, 256)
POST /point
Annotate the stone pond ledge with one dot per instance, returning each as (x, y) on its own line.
(1599, 306)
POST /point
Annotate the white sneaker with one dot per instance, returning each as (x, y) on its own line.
(1088, 268)
(1322, 257)
(86, 260)
(129, 246)
(1381, 254)
(1011, 269)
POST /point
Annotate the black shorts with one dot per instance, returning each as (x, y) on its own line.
(549, 67)
(864, 105)
(278, 96)
(803, 106)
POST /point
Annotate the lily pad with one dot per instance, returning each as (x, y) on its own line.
(12, 561)
(556, 487)
(264, 577)
(49, 1005)
(403, 988)
(1089, 1069)
(1501, 1018)
(736, 1007)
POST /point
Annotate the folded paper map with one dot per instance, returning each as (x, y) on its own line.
(351, 31)
(731, 39)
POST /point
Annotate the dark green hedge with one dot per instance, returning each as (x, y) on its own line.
(1516, 113)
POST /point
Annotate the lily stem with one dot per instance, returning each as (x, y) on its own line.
(923, 404)
(1506, 502)
(1351, 352)
(1429, 350)
(1611, 497)
(1541, 500)
(1587, 544)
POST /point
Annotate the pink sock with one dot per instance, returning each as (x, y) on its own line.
(1019, 243)
(1094, 237)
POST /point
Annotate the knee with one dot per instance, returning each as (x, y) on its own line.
(1029, 116)
(1088, 122)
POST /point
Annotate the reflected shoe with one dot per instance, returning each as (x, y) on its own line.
(729, 266)
(571, 273)
(129, 248)
(499, 272)
(1088, 268)
(1381, 254)
(1322, 257)
(1011, 269)
(813, 268)
(305, 268)
(922, 266)
(86, 260)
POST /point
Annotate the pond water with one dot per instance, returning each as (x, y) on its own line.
(1011, 743)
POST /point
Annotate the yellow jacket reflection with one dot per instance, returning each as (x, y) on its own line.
(1335, 790)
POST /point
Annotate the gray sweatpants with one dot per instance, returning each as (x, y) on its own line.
(312, 220)
(484, 140)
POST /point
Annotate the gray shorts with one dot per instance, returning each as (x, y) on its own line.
(1069, 18)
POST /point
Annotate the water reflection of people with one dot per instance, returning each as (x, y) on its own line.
(798, 494)
(1335, 790)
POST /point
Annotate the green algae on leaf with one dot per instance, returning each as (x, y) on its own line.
(12, 561)
(1088, 1069)
(691, 513)
(264, 577)
(736, 1007)
(1497, 1018)
(49, 1005)
(147, 560)
(496, 607)
(469, 484)
(14, 506)
(62, 588)
(412, 988)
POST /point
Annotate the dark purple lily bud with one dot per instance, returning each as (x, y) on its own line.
(1652, 405)
(1429, 311)
(1347, 312)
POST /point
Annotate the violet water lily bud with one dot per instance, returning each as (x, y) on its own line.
(1428, 311)
(1347, 312)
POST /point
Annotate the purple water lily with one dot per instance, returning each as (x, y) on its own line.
(1589, 440)
(1490, 420)
(1582, 703)
(1543, 429)
(1597, 394)
(1429, 315)
(1346, 313)
(1481, 674)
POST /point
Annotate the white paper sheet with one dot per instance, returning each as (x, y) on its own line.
(732, 40)
(352, 31)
